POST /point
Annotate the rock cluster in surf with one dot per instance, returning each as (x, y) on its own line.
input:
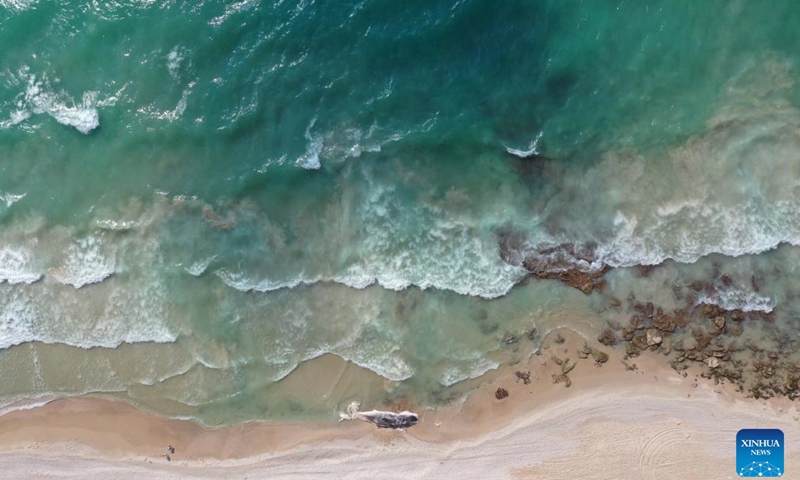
(574, 265)
(714, 339)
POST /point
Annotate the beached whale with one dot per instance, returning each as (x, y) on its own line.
(397, 421)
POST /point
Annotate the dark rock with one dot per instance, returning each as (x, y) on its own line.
(646, 270)
(734, 329)
(501, 393)
(607, 338)
(664, 323)
(602, 271)
(627, 333)
(768, 317)
(716, 346)
(640, 340)
(512, 244)
(697, 286)
(645, 309)
(680, 318)
(666, 345)
(754, 283)
(600, 285)
(556, 263)
(532, 334)
(599, 355)
(711, 311)
(567, 367)
(574, 278)
(562, 378)
(487, 328)
(719, 322)
(614, 302)
(524, 376)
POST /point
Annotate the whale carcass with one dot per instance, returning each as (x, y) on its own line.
(397, 421)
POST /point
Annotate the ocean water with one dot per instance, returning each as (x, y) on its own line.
(198, 199)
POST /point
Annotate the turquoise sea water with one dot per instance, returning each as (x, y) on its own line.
(197, 197)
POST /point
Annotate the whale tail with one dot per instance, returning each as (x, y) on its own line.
(352, 412)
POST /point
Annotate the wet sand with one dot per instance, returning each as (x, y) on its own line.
(633, 420)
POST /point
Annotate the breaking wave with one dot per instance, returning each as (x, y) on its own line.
(40, 98)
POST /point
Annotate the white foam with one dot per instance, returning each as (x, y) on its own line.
(83, 118)
(232, 9)
(465, 263)
(11, 198)
(471, 283)
(400, 245)
(27, 403)
(243, 283)
(39, 98)
(731, 298)
(174, 59)
(118, 225)
(17, 320)
(197, 268)
(732, 191)
(177, 112)
(388, 364)
(86, 263)
(353, 142)
(533, 148)
(458, 373)
(127, 320)
(112, 100)
(354, 277)
(283, 360)
(18, 5)
(169, 115)
(701, 230)
(130, 310)
(15, 267)
(310, 159)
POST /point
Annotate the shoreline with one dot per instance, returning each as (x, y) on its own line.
(645, 418)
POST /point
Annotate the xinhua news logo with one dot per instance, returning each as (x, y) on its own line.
(759, 453)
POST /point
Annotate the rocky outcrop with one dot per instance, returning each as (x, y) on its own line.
(585, 282)
(568, 263)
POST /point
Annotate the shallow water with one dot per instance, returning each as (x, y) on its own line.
(198, 197)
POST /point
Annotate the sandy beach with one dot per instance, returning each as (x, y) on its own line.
(618, 420)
